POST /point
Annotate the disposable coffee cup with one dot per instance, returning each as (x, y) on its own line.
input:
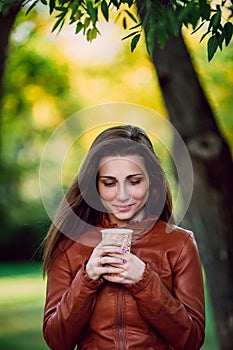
(120, 234)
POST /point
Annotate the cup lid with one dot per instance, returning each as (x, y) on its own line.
(117, 230)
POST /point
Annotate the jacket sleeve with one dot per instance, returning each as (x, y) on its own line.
(178, 316)
(68, 306)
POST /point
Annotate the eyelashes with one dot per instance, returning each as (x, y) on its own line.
(109, 184)
(136, 182)
(113, 183)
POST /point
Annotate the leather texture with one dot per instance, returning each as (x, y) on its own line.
(165, 310)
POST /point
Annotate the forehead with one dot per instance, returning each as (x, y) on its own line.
(122, 165)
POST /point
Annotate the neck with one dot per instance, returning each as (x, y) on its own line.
(122, 223)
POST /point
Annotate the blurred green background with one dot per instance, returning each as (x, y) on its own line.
(49, 77)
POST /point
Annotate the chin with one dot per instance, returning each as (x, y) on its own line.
(124, 217)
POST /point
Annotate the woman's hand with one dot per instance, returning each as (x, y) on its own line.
(133, 269)
(106, 259)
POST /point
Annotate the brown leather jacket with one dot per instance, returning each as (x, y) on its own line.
(165, 310)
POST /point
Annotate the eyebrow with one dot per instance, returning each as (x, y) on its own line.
(113, 178)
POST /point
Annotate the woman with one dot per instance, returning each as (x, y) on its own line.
(98, 296)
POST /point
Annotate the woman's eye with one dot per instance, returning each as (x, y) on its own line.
(136, 182)
(109, 184)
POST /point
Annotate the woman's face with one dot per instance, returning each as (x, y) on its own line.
(123, 185)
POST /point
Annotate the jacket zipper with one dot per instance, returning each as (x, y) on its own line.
(120, 321)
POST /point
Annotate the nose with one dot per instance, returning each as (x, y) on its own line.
(124, 191)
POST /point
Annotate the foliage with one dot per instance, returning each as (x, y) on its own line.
(43, 85)
(35, 88)
(213, 16)
(41, 90)
(161, 19)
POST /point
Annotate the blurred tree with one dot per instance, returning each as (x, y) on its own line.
(7, 19)
(210, 213)
(211, 208)
(6, 22)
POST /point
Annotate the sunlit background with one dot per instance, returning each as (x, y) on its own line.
(48, 78)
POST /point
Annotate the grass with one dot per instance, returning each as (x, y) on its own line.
(22, 293)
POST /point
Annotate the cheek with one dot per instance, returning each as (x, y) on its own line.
(141, 193)
(107, 193)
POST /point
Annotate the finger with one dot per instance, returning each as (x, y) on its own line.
(117, 278)
(99, 261)
(116, 260)
(101, 251)
(112, 278)
(119, 255)
(108, 269)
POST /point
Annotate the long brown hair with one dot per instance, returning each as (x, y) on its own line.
(82, 208)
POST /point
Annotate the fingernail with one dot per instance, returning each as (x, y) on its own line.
(124, 261)
(124, 250)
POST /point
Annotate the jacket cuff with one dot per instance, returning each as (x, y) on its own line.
(89, 282)
(138, 286)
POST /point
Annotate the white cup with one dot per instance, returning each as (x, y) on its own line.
(123, 235)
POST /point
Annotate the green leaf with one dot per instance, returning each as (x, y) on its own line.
(161, 33)
(150, 40)
(204, 9)
(134, 42)
(185, 11)
(125, 1)
(199, 27)
(89, 34)
(204, 35)
(131, 34)
(74, 9)
(131, 16)
(31, 7)
(79, 27)
(86, 23)
(61, 8)
(52, 4)
(212, 46)
(124, 23)
(194, 17)
(92, 34)
(173, 26)
(104, 9)
(215, 20)
(118, 16)
(130, 3)
(220, 38)
(60, 22)
(92, 12)
(137, 25)
(115, 3)
(228, 32)
(78, 15)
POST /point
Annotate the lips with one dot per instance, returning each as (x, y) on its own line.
(123, 208)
